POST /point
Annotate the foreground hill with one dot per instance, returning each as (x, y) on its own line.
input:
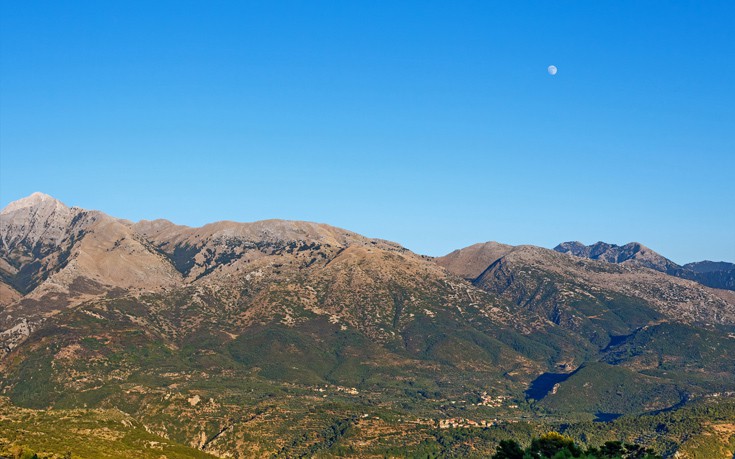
(297, 338)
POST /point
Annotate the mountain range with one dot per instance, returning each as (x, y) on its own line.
(297, 339)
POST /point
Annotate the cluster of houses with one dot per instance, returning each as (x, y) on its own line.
(494, 401)
(346, 390)
(462, 422)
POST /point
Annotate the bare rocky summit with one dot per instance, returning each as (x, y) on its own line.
(633, 253)
(74, 251)
(718, 275)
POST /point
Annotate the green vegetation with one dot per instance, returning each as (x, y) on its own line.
(601, 388)
(82, 434)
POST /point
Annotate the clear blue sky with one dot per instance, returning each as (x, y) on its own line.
(434, 124)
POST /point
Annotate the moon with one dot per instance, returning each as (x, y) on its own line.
(552, 70)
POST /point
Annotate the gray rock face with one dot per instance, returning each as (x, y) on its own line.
(37, 218)
(32, 230)
(633, 253)
(712, 274)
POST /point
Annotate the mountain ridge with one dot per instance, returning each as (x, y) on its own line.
(716, 275)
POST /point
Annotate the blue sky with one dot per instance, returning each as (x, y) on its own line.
(434, 124)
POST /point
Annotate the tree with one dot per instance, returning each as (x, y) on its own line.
(612, 449)
(552, 443)
(508, 449)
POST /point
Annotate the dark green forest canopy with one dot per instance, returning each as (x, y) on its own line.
(554, 445)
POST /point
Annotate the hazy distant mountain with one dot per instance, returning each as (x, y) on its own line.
(243, 337)
(711, 274)
(632, 253)
(709, 266)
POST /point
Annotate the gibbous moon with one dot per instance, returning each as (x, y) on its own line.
(552, 70)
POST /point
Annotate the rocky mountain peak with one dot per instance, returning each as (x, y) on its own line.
(575, 248)
(38, 217)
(717, 275)
(35, 200)
(78, 251)
(633, 252)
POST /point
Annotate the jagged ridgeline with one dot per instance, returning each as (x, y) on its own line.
(300, 339)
